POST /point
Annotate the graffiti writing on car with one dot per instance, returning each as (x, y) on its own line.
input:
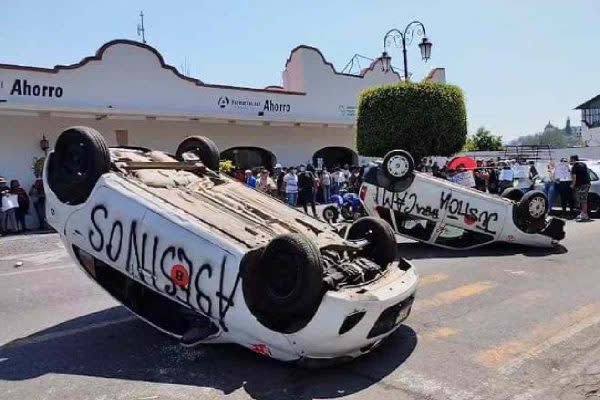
(165, 266)
(457, 209)
(405, 202)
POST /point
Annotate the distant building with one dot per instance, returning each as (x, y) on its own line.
(550, 127)
(590, 121)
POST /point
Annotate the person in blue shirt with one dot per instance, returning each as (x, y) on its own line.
(250, 179)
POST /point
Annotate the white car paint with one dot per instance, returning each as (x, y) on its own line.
(444, 209)
(142, 236)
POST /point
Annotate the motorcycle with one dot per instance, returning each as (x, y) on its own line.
(346, 204)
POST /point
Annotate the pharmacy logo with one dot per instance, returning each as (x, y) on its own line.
(223, 101)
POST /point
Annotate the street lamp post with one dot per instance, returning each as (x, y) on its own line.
(406, 37)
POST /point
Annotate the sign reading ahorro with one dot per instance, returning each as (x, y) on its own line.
(260, 106)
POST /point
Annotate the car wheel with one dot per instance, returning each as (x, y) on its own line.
(593, 203)
(513, 194)
(346, 212)
(204, 148)
(398, 164)
(285, 285)
(80, 157)
(382, 247)
(331, 214)
(532, 210)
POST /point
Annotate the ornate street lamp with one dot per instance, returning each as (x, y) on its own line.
(406, 38)
(44, 144)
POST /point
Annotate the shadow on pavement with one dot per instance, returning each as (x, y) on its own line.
(132, 350)
(418, 250)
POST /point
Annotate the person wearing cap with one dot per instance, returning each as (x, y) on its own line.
(250, 179)
(581, 187)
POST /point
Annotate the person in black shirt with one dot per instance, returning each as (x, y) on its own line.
(306, 187)
(581, 186)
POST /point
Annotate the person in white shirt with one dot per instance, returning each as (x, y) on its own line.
(326, 185)
(562, 175)
(505, 178)
(291, 187)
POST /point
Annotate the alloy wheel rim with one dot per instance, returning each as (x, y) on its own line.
(398, 166)
(537, 207)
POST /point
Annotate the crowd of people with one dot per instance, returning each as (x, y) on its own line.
(567, 179)
(302, 185)
(16, 203)
(305, 185)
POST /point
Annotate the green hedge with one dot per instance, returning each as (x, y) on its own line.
(423, 118)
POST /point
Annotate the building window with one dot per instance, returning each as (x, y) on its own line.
(122, 137)
(591, 117)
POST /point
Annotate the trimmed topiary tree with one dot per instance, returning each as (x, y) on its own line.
(423, 118)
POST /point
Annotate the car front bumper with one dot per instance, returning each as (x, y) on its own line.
(353, 321)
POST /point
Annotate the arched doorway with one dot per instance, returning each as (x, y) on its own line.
(249, 157)
(332, 156)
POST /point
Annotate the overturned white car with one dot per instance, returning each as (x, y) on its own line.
(210, 260)
(448, 215)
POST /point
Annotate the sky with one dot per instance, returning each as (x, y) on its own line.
(520, 63)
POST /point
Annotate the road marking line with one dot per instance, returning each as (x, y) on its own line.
(34, 270)
(453, 295)
(56, 335)
(511, 355)
(431, 388)
(42, 257)
(440, 333)
(425, 280)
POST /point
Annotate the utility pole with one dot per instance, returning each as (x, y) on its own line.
(140, 28)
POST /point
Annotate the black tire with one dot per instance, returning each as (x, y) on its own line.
(204, 148)
(346, 212)
(532, 210)
(331, 214)
(513, 194)
(382, 247)
(285, 286)
(80, 157)
(398, 165)
(593, 203)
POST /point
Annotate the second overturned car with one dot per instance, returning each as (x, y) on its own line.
(445, 214)
(207, 259)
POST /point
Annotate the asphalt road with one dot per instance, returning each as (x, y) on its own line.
(501, 322)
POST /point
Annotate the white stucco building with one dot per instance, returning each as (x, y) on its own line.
(590, 121)
(128, 93)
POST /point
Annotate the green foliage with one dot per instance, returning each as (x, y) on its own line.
(483, 140)
(38, 166)
(469, 145)
(423, 118)
(226, 166)
(555, 138)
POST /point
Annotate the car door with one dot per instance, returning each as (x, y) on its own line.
(473, 211)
